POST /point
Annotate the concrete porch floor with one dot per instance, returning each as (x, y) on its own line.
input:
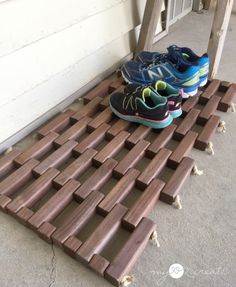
(201, 237)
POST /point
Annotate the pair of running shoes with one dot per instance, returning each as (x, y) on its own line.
(157, 84)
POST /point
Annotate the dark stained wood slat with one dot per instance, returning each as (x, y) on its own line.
(45, 231)
(56, 158)
(18, 178)
(97, 180)
(93, 139)
(161, 140)
(133, 156)
(99, 264)
(130, 252)
(182, 150)
(78, 218)
(118, 126)
(140, 133)
(111, 149)
(105, 102)
(76, 168)
(52, 208)
(73, 132)
(100, 90)
(6, 162)
(144, 204)
(116, 85)
(173, 186)
(208, 110)
(4, 201)
(88, 110)
(33, 192)
(119, 191)
(23, 215)
(57, 124)
(154, 168)
(186, 125)
(209, 91)
(102, 234)
(71, 245)
(104, 117)
(38, 149)
(227, 99)
(224, 85)
(205, 136)
(189, 104)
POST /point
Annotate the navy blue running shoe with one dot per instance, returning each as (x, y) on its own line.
(141, 105)
(190, 57)
(181, 75)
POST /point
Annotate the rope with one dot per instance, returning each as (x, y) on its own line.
(221, 127)
(178, 202)
(232, 106)
(127, 280)
(210, 149)
(8, 150)
(154, 238)
(197, 171)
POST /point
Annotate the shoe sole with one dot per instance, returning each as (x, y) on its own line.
(176, 113)
(203, 83)
(152, 124)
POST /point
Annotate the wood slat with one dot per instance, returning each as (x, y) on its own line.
(54, 205)
(211, 89)
(227, 99)
(182, 150)
(56, 158)
(133, 156)
(208, 110)
(102, 234)
(97, 180)
(93, 139)
(88, 110)
(186, 125)
(73, 132)
(76, 168)
(71, 245)
(79, 217)
(205, 136)
(33, 192)
(154, 168)
(130, 252)
(57, 124)
(119, 191)
(189, 104)
(100, 90)
(18, 178)
(140, 133)
(161, 140)
(99, 264)
(104, 117)
(173, 186)
(39, 149)
(120, 125)
(7, 161)
(111, 149)
(144, 204)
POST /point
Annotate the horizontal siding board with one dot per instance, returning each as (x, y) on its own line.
(33, 19)
(36, 63)
(50, 93)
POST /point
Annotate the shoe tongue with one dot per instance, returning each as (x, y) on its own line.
(176, 57)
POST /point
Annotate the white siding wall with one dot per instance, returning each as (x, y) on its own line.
(49, 49)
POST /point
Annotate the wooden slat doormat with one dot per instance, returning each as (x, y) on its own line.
(80, 154)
